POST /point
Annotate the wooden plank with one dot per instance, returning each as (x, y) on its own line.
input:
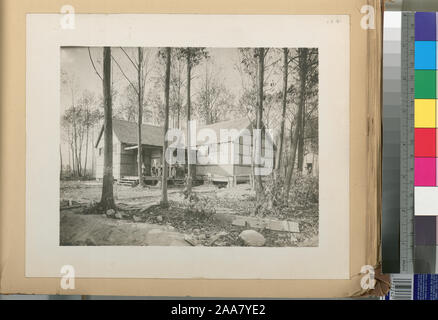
(263, 223)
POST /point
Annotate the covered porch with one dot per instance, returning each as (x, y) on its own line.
(152, 165)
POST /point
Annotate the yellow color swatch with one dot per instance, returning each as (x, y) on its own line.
(425, 113)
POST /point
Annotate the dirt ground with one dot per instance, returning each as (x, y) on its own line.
(143, 222)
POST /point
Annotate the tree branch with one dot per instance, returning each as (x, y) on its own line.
(92, 63)
(133, 63)
(126, 77)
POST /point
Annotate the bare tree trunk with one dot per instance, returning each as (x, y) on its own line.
(107, 200)
(189, 165)
(258, 177)
(69, 156)
(75, 143)
(86, 150)
(293, 147)
(285, 75)
(93, 156)
(303, 73)
(164, 201)
(81, 143)
(60, 157)
(140, 116)
(73, 165)
(76, 170)
(177, 122)
(301, 140)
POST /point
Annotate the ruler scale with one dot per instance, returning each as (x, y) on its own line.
(407, 144)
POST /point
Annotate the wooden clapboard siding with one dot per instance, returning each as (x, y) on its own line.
(116, 159)
(128, 162)
(213, 169)
(242, 170)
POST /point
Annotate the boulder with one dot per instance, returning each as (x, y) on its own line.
(159, 218)
(136, 219)
(118, 215)
(110, 212)
(252, 238)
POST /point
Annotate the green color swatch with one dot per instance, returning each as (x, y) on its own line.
(425, 84)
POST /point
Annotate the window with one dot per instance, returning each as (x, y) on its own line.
(100, 151)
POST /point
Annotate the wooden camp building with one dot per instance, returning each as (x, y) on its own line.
(125, 150)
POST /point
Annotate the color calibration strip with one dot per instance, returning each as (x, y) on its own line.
(426, 156)
(391, 142)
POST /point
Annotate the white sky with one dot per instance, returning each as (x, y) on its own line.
(76, 62)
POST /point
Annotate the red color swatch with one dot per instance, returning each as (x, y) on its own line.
(425, 142)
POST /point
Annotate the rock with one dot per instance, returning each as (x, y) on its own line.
(190, 240)
(104, 215)
(196, 231)
(90, 242)
(202, 237)
(170, 228)
(136, 219)
(217, 236)
(110, 212)
(118, 215)
(252, 238)
(159, 218)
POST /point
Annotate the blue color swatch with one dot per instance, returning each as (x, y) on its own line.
(425, 55)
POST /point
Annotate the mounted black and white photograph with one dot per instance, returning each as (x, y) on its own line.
(189, 146)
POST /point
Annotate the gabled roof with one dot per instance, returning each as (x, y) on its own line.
(237, 124)
(127, 132)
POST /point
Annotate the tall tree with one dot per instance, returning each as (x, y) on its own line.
(311, 69)
(192, 57)
(249, 102)
(77, 120)
(107, 199)
(281, 140)
(140, 117)
(300, 156)
(176, 89)
(60, 157)
(259, 118)
(70, 83)
(141, 66)
(303, 70)
(164, 201)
